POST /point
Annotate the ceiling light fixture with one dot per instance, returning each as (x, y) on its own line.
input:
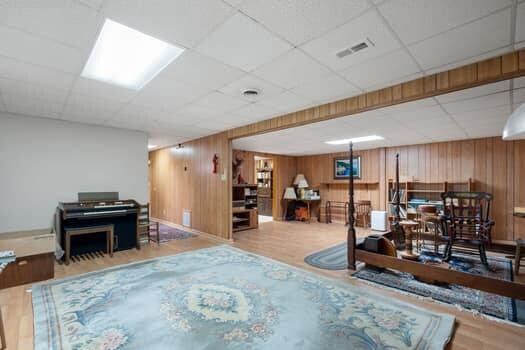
(356, 140)
(126, 57)
(152, 146)
(515, 127)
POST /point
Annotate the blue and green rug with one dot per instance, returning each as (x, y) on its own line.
(224, 298)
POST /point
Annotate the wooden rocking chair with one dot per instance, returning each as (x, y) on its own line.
(466, 220)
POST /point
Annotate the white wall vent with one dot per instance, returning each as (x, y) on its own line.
(355, 48)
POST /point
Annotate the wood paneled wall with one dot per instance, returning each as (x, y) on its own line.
(495, 166)
(284, 171)
(319, 173)
(182, 179)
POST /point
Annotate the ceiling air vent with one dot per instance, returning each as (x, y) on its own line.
(355, 48)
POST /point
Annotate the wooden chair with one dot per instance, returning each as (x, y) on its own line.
(428, 222)
(363, 208)
(466, 220)
(145, 227)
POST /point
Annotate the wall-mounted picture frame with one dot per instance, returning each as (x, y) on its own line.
(342, 168)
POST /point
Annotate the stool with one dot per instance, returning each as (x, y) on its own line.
(79, 231)
(520, 243)
(408, 226)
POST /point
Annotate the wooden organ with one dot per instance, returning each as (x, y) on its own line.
(98, 209)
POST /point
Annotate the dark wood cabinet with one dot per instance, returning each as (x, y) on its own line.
(28, 269)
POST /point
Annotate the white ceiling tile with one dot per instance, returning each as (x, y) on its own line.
(221, 102)
(31, 106)
(251, 113)
(464, 42)
(478, 91)
(421, 114)
(519, 95)
(396, 81)
(369, 25)
(416, 20)
(32, 90)
(485, 116)
(200, 70)
(17, 70)
(520, 22)
(198, 112)
(99, 89)
(300, 21)
(251, 82)
(379, 70)
(243, 43)
(479, 103)
(90, 103)
(292, 69)
(485, 132)
(180, 22)
(66, 21)
(94, 4)
(169, 94)
(519, 82)
(287, 102)
(326, 89)
(29, 48)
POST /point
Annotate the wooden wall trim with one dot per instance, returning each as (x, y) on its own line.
(495, 69)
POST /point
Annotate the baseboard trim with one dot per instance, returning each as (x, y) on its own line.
(206, 235)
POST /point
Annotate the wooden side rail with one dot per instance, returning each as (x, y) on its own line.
(78, 231)
(329, 205)
(429, 272)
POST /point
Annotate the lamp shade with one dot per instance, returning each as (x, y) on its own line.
(302, 184)
(289, 193)
(515, 127)
(298, 178)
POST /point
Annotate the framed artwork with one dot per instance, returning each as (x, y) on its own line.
(342, 168)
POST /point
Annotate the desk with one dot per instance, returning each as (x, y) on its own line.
(6, 257)
(308, 205)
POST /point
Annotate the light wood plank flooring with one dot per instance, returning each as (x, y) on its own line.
(288, 242)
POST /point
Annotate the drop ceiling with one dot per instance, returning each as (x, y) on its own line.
(472, 113)
(285, 49)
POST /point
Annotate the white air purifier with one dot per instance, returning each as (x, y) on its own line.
(186, 218)
(379, 220)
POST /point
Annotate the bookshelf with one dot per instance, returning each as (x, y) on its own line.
(414, 193)
(244, 207)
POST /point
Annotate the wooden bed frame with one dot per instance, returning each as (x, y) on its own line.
(356, 252)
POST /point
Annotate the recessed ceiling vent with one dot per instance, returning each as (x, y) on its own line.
(355, 48)
(250, 93)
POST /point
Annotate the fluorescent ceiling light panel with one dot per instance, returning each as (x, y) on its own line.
(126, 57)
(356, 140)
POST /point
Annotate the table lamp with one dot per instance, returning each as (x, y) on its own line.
(301, 186)
(289, 193)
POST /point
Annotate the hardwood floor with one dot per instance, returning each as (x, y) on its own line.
(283, 241)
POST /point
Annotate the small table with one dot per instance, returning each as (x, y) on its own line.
(408, 226)
(308, 202)
(6, 257)
(78, 231)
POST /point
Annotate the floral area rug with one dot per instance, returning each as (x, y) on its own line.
(168, 233)
(486, 303)
(224, 298)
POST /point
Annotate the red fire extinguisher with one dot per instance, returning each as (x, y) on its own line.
(215, 161)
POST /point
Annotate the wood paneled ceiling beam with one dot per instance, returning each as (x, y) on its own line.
(495, 69)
